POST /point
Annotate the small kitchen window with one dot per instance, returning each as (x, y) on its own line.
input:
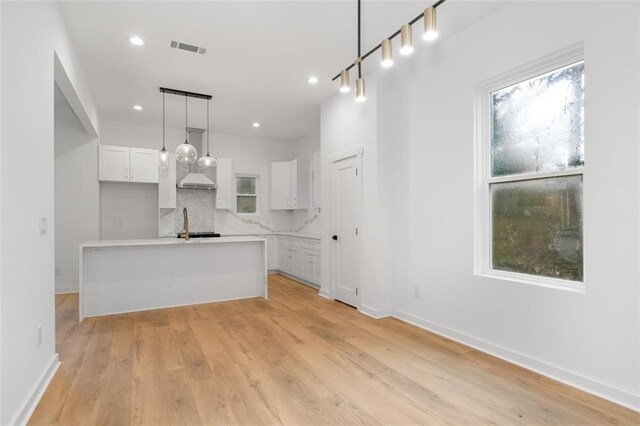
(246, 194)
(530, 162)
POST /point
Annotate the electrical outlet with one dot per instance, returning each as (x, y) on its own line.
(43, 225)
(39, 335)
(416, 292)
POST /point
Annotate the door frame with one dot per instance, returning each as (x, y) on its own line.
(356, 153)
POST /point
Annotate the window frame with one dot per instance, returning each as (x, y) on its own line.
(483, 215)
(256, 195)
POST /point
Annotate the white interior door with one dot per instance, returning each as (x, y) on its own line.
(347, 213)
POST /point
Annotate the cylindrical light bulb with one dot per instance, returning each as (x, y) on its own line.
(430, 24)
(360, 94)
(344, 81)
(164, 160)
(387, 53)
(406, 40)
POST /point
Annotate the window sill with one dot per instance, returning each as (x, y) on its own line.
(554, 283)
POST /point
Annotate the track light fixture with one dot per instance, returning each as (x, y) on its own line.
(406, 40)
(430, 24)
(406, 47)
(387, 54)
(344, 81)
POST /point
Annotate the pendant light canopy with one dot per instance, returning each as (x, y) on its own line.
(406, 40)
(430, 24)
(186, 153)
(164, 155)
(207, 160)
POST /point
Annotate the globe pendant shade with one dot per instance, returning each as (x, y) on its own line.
(186, 153)
(164, 160)
(206, 161)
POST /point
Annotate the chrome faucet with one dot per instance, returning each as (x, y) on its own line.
(185, 229)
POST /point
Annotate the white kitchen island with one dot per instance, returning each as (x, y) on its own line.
(118, 276)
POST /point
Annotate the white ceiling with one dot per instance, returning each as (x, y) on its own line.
(259, 55)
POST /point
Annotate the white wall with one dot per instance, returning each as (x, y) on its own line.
(249, 156)
(307, 221)
(76, 198)
(425, 142)
(31, 33)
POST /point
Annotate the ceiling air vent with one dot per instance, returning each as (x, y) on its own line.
(188, 47)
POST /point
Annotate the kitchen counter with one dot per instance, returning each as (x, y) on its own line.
(170, 241)
(118, 276)
(286, 234)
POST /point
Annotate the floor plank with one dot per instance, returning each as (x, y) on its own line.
(294, 359)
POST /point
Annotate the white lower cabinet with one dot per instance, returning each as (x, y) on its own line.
(300, 258)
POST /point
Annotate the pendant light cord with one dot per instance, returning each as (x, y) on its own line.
(163, 148)
(186, 120)
(208, 102)
(359, 44)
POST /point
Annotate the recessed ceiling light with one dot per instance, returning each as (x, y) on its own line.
(137, 107)
(312, 80)
(256, 124)
(136, 41)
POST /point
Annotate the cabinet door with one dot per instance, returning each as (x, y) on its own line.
(316, 268)
(280, 186)
(167, 186)
(286, 260)
(293, 184)
(315, 180)
(307, 273)
(224, 182)
(113, 163)
(143, 165)
(298, 263)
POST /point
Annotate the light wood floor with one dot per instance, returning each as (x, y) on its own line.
(295, 359)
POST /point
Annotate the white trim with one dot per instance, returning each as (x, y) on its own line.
(482, 264)
(324, 293)
(37, 391)
(67, 289)
(578, 381)
(353, 152)
(375, 313)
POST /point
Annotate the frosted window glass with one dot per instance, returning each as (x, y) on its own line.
(246, 185)
(537, 227)
(538, 125)
(246, 204)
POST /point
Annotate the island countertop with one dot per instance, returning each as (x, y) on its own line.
(169, 241)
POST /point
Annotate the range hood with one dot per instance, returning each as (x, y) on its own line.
(197, 181)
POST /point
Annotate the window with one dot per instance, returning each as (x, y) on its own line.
(531, 165)
(246, 194)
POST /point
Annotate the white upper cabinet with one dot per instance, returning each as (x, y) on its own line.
(143, 165)
(289, 185)
(167, 186)
(122, 164)
(113, 163)
(315, 181)
(225, 184)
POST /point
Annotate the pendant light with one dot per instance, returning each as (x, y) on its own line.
(164, 155)
(360, 94)
(387, 54)
(207, 160)
(344, 81)
(406, 40)
(186, 153)
(430, 24)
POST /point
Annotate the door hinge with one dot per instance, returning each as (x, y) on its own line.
(356, 171)
(356, 291)
(356, 231)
